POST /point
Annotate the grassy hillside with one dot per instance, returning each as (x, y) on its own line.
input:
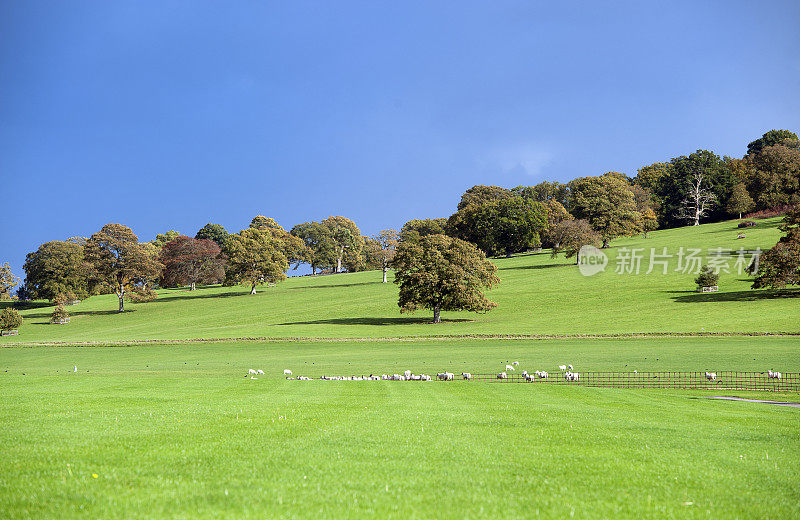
(177, 431)
(538, 295)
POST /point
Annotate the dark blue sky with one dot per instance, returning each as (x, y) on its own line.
(168, 115)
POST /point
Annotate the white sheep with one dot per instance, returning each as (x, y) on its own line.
(778, 376)
(509, 368)
(252, 371)
(448, 376)
(711, 376)
(528, 377)
(571, 376)
(407, 373)
(569, 367)
(287, 372)
(260, 372)
(543, 375)
(75, 368)
(466, 375)
(562, 367)
(502, 375)
(774, 375)
(424, 377)
(515, 363)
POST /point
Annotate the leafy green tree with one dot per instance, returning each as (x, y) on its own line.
(7, 281)
(55, 268)
(163, 238)
(774, 178)
(708, 277)
(319, 248)
(417, 228)
(483, 194)
(571, 235)
(780, 266)
(740, 201)
(443, 273)
(771, 138)
(544, 192)
(650, 176)
(118, 261)
(214, 232)
(346, 239)
(10, 319)
(608, 204)
(293, 247)
(556, 213)
(649, 221)
(257, 257)
(59, 313)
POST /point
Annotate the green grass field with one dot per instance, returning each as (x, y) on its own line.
(179, 432)
(177, 429)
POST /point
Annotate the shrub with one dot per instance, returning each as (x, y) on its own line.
(60, 299)
(59, 313)
(777, 211)
(746, 223)
(10, 319)
(71, 296)
(139, 295)
(707, 277)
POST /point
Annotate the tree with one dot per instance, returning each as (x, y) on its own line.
(56, 268)
(346, 239)
(770, 138)
(556, 213)
(188, 261)
(214, 232)
(293, 247)
(505, 225)
(650, 177)
(774, 178)
(696, 187)
(740, 201)
(649, 221)
(387, 241)
(163, 238)
(318, 251)
(10, 319)
(698, 201)
(571, 235)
(118, 261)
(59, 313)
(7, 281)
(481, 194)
(257, 257)
(708, 277)
(544, 192)
(417, 228)
(780, 266)
(608, 204)
(443, 273)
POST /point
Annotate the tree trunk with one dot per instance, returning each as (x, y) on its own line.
(605, 243)
(253, 289)
(385, 270)
(436, 317)
(339, 264)
(121, 296)
(192, 287)
(313, 270)
(578, 258)
(740, 215)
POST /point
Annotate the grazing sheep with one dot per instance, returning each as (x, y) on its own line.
(466, 375)
(778, 376)
(510, 368)
(407, 373)
(75, 368)
(304, 378)
(528, 377)
(543, 375)
(252, 371)
(774, 375)
(260, 372)
(502, 375)
(287, 372)
(449, 376)
(524, 373)
(571, 376)
(384, 377)
(711, 376)
(515, 363)
(569, 367)
(562, 367)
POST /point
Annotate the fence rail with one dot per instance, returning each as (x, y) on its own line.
(725, 380)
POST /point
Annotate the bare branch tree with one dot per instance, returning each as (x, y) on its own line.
(699, 200)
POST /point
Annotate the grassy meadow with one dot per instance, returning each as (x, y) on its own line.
(176, 429)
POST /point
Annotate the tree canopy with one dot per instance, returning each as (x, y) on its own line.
(189, 261)
(118, 261)
(780, 266)
(56, 268)
(7, 281)
(257, 257)
(608, 204)
(443, 273)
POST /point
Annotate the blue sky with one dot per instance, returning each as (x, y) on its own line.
(168, 115)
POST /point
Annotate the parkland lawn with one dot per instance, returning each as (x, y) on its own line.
(178, 430)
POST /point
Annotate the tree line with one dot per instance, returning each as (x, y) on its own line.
(439, 263)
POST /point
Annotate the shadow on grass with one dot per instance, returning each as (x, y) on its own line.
(545, 266)
(198, 295)
(79, 313)
(735, 296)
(374, 321)
(334, 285)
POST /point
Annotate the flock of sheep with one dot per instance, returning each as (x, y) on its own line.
(567, 370)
